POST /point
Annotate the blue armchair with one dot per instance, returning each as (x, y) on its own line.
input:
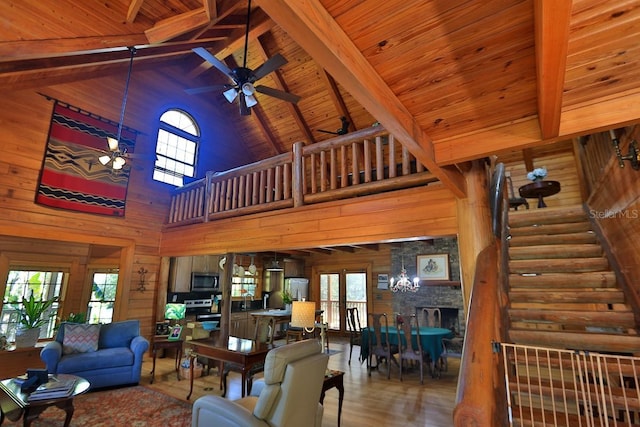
(117, 359)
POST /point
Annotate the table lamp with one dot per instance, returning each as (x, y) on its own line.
(303, 315)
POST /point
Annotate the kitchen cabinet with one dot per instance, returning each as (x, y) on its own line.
(205, 263)
(180, 274)
(293, 268)
(239, 324)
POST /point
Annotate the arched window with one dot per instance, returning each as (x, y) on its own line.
(176, 148)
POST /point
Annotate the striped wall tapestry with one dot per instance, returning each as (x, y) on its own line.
(72, 177)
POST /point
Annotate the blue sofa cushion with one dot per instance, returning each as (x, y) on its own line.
(105, 358)
(118, 334)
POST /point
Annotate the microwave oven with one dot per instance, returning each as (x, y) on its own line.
(205, 282)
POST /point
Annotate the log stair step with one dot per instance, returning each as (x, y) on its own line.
(619, 397)
(621, 319)
(561, 215)
(551, 296)
(586, 341)
(536, 230)
(622, 365)
(558, 265)
(524, 413)
(584, 237)
(592, 279)
(556, 251)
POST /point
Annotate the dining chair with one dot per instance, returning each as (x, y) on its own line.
(382, 349)
(355, 331)
(515, 201)
(432, 317)
(264, 331)
(451, 347)
(407, 351)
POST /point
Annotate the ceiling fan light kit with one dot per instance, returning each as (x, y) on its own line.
(116, 156)
(243, 78)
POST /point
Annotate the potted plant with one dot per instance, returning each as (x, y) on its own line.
(287, 299)
(32, 317)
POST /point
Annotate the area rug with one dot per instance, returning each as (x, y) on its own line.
(129, 406)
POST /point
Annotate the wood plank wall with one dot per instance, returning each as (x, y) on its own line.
(130, 243)
(560, 162)
(615, 205)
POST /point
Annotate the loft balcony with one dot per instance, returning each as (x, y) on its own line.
(366, 162)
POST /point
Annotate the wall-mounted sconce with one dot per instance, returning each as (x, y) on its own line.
(142, 272)
(633, 156)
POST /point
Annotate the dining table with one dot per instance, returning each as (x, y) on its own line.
(430, 340)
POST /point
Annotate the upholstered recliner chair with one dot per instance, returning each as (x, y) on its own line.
(288, 396)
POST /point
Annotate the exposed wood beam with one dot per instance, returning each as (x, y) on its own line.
(134, 8)
(55, 48)
(282, 85)
(596, 116)
(527, 156)
(313, 28)
(178, 25)
(260, 24)
(210, 9)
(336, 97)
(552, 21)
(349, 249)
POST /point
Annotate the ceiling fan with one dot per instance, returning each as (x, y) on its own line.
(243, 78)
(342, 131)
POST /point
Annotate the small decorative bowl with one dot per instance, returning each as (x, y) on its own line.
(209, 325)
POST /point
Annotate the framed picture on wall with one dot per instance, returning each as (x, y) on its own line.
(433, 267)
(383, 281)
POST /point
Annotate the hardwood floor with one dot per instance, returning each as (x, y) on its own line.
(368, 401)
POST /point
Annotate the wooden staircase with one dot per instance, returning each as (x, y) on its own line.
(563, 294)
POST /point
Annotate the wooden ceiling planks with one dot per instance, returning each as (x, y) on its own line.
(464, 72)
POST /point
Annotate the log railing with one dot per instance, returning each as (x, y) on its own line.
(364, 162)
(481, 395)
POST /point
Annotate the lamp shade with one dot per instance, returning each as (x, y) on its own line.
(175, 311)
(303, 314)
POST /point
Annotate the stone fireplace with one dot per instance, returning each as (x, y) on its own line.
(447, 296)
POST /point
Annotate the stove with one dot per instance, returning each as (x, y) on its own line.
(201, 309)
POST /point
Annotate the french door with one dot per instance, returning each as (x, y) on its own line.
(339, 290)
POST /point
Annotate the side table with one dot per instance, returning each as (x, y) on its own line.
(334, 379)
(539, 190)
(164, 343)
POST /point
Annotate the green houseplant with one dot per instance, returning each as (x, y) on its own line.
(31, 318)
(287, 299)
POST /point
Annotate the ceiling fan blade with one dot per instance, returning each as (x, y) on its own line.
(244, 110)
(327, 131)
(208, 56)
(270, 65)
(276, 93)
(196, 90)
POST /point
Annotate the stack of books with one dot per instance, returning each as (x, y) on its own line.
(55, 388)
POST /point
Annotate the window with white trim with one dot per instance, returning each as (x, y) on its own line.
(43, 285)
(176, 148)
(103, 297)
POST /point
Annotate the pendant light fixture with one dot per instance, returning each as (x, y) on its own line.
(275, 265)
(116, 155)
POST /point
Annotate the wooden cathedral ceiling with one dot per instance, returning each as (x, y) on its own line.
(454, 80)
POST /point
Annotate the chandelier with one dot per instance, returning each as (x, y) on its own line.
(403, 283)
(116, 155)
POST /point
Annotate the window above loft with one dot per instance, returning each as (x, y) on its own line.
(176, 148)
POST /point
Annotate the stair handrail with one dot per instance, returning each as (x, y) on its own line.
(481, 389)
(497, 198)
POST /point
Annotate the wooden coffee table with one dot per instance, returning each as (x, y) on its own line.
(14, 403)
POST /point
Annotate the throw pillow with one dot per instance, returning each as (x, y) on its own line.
(80, 338)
